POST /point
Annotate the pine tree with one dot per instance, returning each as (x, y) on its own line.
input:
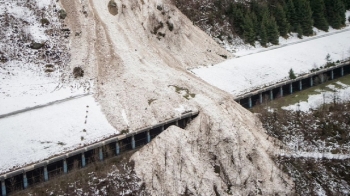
(347, 4)
(272, 31)
(304, 15)
(335, 13)
(291, 15)
(299, 31)
(238, 18)
(281, 19)
(248, 30)
(263, 31)
(318, 8)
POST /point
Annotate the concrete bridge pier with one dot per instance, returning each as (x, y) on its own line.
(117, 148)
(332, 74)
(3, 188)
(271, 95)
(46, 174)
(65, 167)
(250, 102)
(300, 85)
(281, 91)
(100, 153)
(25, 181)
(261, 98)
(162, 128)
(177, 123)
(132, 142)
(311, 82)
(148, 137)
(83, 161)
(291, 88)
(342, 71)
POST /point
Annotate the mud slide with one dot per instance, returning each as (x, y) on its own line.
(139, 58)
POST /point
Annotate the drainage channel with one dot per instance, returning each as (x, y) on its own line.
(23, 178)
(285, 88)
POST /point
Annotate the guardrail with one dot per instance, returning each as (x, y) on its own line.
(24, 177)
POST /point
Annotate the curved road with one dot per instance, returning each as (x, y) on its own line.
(298, 42)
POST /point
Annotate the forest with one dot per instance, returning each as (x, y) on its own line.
(264, 21)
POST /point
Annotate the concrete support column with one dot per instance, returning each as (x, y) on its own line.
(100, 153)
(132, 142)
(148, 137)
(250, 102)
(300, 85)
(162, 128)
(311, 82)
(271, 95)
(281, 91)
(46, 174)
(65, 167)
(3, 188)
(342, 71)
(261, 98)
(291, 88)
(83, 161)
(25, 181)
(117, 148)
(332, 74)
(177, 123)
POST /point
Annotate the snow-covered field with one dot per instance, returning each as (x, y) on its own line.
(324, 96)
(257, 67)
(41, 133)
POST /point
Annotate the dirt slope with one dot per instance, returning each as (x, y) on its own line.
(138, 60)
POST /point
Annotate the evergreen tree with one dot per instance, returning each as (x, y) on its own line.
(256, 23)
(318, 8)
(304, 15)
(263, 32)
(335, 13)
(281, 19)
(272, 31)
(291, 15)
(347, 4)
(248, 30)
(238, 17)
(299, 31)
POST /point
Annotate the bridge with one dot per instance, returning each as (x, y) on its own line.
(269, 93)
(43, 171)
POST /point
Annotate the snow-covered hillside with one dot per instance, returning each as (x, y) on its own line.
(134, 60)
(263, 68)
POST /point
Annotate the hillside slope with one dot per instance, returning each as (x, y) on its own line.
(136, 64)
(135, 56)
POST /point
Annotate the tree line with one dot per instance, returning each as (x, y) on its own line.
(265, 21)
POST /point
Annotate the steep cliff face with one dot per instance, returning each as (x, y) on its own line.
(137, 52)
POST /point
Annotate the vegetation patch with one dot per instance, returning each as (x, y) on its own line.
(125, 131)
(264, 21)
(184, 92)
(44, 21)
(156, 28)
(78, 72)
(62, 14)
(170, 26)
(36, 46)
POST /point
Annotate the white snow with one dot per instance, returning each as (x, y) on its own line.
(316, 155)
(259, 67)
(41, 133)
(324, 96)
